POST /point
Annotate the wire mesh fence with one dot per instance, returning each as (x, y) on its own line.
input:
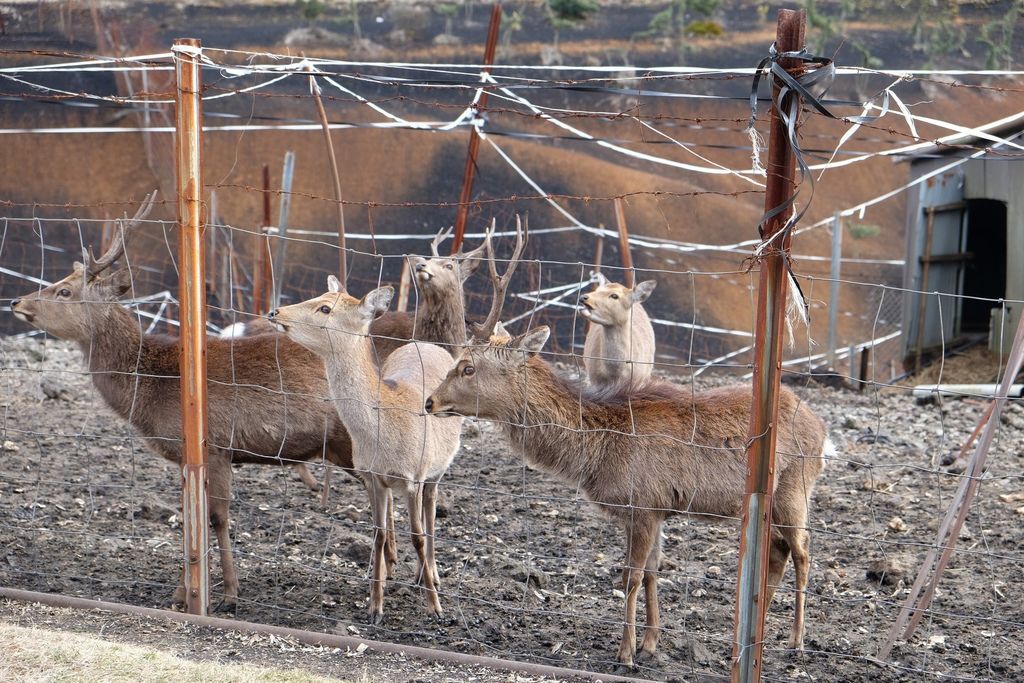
(529, 567)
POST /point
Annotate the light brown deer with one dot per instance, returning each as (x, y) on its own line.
(395, 445)
(640, 456)
(619, 348)
(266, 393)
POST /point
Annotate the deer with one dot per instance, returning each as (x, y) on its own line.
(396, 446)
(619, 347)
(640, 455)
(251, 328)
(266, 393)
(440, 317)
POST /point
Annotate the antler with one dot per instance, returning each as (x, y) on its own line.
(441, 237)
(500, 283)
(94, 266)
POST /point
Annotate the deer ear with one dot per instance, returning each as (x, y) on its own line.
(113, 286)
(643, 290)
(601, 279)
(377, 301)
(468, 265)
(334, 285)
(533, 341)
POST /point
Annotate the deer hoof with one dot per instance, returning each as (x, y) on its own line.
(375, 618)
(647, 656)
(622, 669)
(226, 607)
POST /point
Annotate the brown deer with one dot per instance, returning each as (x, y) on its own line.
(395, 446)
(642, 455)
(619, 348)
(266, 393)
(440, 316)
(251, 328)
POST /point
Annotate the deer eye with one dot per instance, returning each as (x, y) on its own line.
(468, 371)
(448, 266)
(325, 309)
(64, 293)
(614, 296)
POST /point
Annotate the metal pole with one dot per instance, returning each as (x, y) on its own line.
(191, 294)
(404, 282)
(332, 640)
(755, 534)
(833, 298)
(474, 137)
(261, 273)
(287, 175)
(627, 255)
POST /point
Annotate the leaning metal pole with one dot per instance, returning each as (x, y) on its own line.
(192, 298)
(755, 536)
(474, 137)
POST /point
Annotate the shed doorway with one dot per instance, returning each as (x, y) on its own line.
(985, 271)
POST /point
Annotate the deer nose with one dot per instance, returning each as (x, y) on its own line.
(584, 297)
(15, 302)
(272, 314)
(429, 405)
(420, 266)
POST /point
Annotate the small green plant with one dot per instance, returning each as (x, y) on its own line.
(311, 9)
(863, 231)
(704, 28)
(448, 10)
(569, 14)
(684, 17)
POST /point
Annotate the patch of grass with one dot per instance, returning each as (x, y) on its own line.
(862, 231)
(32, 654)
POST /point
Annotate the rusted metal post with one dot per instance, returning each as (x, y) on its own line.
(755, 536)
(627, 254)
(474, 137)
(865, 367)
(192, 298)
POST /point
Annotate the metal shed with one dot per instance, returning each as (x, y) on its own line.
(965, 243)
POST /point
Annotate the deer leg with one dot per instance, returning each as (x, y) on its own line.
(303, 471)
(178, 597)
(778, 555)
(429, 519)
(379, 502)
(799, 541)
(219, 500)
(653, 630)
(640, 538)
(390, 544)
(424, 575)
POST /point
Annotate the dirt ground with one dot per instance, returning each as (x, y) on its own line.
(529, 570)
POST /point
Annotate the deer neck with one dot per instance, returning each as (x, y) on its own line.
(616, 342)
(355, 382)
(116, 353)
(442, 319)
(549, 421)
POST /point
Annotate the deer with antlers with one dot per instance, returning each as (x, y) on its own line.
(266, 393)
(640, 455)
(619, 348)
(395, 445)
